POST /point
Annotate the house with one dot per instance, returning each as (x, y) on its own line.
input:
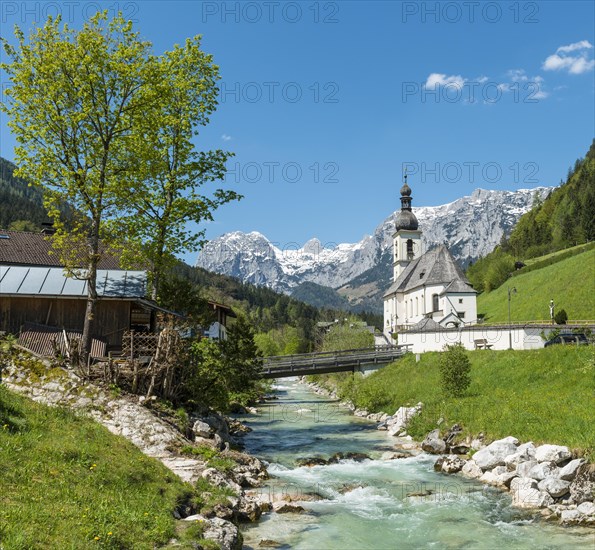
(218, 329)
(35, 292)
(426, 284)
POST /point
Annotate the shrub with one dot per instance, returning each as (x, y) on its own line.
(561, 317)
(454, 370)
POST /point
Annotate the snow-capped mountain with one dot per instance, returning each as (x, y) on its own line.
(471, 227)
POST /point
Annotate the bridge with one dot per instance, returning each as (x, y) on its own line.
(351, 360)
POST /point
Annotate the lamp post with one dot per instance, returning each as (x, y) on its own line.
(552, 305)
(510, 292)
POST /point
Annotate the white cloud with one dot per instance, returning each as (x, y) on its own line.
(578, 63)
(439, 79)
(225, 137)
(582, 45)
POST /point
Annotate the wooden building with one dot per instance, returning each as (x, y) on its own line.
(45, 296)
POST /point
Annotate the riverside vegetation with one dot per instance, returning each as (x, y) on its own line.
(543, 395)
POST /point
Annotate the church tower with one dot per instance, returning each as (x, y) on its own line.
(407, 244)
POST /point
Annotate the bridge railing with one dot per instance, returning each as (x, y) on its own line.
(334, 355)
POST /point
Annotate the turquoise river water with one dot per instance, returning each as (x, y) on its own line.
(365, 505)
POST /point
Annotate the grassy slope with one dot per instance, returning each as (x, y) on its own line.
(66, 480)
(545, 395)
(570, 283)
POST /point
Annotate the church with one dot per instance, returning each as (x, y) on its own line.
(429, 290)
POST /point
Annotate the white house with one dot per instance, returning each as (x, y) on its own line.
(427, 285)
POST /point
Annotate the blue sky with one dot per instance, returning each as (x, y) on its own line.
(324, 103)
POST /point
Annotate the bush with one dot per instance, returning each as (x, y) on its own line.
(454, 370)
(561, 317)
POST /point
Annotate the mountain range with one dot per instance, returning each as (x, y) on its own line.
(355, 276)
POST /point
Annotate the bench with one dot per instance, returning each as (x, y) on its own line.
(482, 343)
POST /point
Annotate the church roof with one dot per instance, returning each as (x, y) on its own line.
(426, 325)
(436, 266)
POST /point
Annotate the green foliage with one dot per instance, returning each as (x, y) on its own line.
(320, 296)
(561, 317)
(566, 218)
(178, 294)
(350, 334)
(225, 371)
(166, 192)
(106, 126)
(454, 368)
(566, 282)
(74, 481)
(544, 395)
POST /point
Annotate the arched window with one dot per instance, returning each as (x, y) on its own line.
(410, 249)
(435, 302)
(416, 306)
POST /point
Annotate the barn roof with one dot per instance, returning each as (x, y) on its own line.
(27, 248)
(52, 281)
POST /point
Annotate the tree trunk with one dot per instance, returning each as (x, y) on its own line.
(91, 295)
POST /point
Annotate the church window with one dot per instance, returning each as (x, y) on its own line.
(461, 314)
(416, 306)
(435, 302)
(460, 300)
(410, 249)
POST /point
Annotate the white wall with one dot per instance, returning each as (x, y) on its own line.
(498, 337)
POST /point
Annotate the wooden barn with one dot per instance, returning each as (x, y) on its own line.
(32, 296)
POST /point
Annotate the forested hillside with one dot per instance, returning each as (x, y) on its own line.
(20, 205)
(564, 219)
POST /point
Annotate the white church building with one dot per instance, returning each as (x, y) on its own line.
(429, 290)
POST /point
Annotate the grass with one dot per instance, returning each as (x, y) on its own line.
(568, 282)
(67, 482)
(564, 252)
(211, 456)
(545, 395)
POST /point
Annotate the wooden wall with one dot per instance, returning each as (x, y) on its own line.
(112, 317)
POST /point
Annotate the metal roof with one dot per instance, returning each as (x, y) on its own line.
(52, 281)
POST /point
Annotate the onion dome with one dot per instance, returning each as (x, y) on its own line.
(406, 218)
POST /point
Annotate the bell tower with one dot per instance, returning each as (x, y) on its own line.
(407, 245)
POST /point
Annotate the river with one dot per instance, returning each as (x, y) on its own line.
(365, 505)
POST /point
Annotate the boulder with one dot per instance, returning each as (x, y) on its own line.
(543, 469)
(500, 476)
(494, 454)
(287, 508)
(311, 461)
(582, 489)
(216, 478)
(570, 516)
(452, 464)
(569, 471)
(525, 494)
(249, 510)
(471, 470)
(586, 508)
(201, 429)
(554, 486)
(223, 532)
(394, 455)
(460, 449)
(552, 453)
(523, 453)
(433, 443)
(357, 457)
(397, 424)
(523, 468)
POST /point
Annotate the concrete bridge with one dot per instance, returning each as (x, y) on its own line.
(352, 360)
